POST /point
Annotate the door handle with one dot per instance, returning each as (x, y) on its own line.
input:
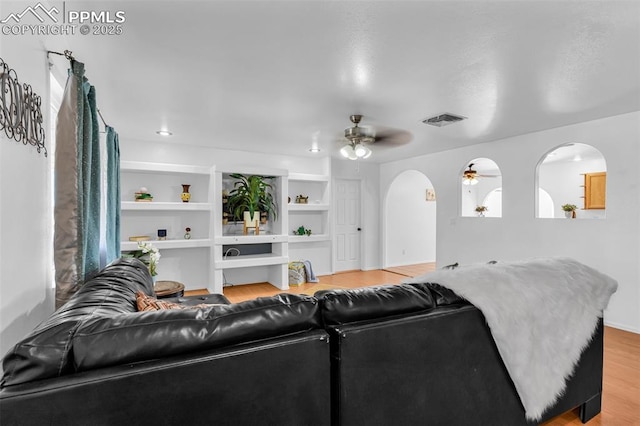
(359, 229)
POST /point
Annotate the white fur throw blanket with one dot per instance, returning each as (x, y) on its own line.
(542, 314)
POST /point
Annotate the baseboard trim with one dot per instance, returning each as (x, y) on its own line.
(621, 327)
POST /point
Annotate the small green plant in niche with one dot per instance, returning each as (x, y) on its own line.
(302, 231)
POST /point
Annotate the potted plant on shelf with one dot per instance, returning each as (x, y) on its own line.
(251, 195)
(569, 210)
(480, 210)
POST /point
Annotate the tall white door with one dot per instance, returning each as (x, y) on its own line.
(347, 225)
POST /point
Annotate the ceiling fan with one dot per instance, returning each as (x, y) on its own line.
(359, 137)
(470, 176)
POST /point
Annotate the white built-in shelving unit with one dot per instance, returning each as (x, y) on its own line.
(314, 215)
(184, 260)
(219, 254)
(241, 259)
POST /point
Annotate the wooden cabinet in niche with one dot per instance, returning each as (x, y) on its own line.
(595, 190)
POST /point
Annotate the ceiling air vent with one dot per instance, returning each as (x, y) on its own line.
(443, 119)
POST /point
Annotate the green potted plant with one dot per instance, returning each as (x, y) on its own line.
(251, 195)
(569, 210)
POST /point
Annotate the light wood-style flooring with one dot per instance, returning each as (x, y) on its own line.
(621, 383)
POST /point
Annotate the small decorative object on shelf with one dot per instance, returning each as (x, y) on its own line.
(162, 234)
(143, 195)
(187, 233)
(301, 199)
(302, 231)
(148, 254)
(185, 196)
(139, 238)
(569, 210)
(480, 210)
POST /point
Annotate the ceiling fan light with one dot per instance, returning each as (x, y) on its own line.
(361, 150)
(469, 181)
(345, 151)
(367, 153)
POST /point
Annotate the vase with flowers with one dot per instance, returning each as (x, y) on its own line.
(148, 254)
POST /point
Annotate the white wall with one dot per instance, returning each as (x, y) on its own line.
(173, 150)
(410, 221)
(369, 173)
(26, 295)
(609, 245)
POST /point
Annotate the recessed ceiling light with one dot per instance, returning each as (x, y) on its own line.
(164, 133)
(314, 150)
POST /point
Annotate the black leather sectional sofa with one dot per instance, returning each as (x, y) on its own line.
(407, 354)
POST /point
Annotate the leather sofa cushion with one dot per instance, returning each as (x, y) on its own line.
(142, 336)
(359, 304)
(441, 295)
(46, 351)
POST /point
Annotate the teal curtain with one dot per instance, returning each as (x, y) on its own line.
(113, 196)
(77, 186)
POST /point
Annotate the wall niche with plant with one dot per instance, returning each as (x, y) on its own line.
(250, 201)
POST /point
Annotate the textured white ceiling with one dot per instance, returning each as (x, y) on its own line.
(284, 76)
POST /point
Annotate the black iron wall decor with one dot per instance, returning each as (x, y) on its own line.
(20, 113)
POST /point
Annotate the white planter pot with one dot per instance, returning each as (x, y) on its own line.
(251, 222)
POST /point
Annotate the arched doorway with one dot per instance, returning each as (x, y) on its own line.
(409, 220)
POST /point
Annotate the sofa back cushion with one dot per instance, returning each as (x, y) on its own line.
(359, 304)
(132, 337)
(47, 350)
(442, 296)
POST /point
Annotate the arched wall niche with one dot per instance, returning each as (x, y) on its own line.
(480, 186)
(572, 174)
(409, 220)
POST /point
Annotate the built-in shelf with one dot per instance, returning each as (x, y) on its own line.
(312, 207)
(153, 205)
(253, 264)
(250, 239)
(308, 238)
(168, 244)
(189, 261)
(315, 215)
(252, 260)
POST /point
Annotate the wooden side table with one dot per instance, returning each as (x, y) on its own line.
(164, 289)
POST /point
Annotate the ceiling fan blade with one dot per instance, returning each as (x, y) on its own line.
(489, 176)
(393, 137)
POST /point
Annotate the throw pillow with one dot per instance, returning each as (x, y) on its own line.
(148, 303)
